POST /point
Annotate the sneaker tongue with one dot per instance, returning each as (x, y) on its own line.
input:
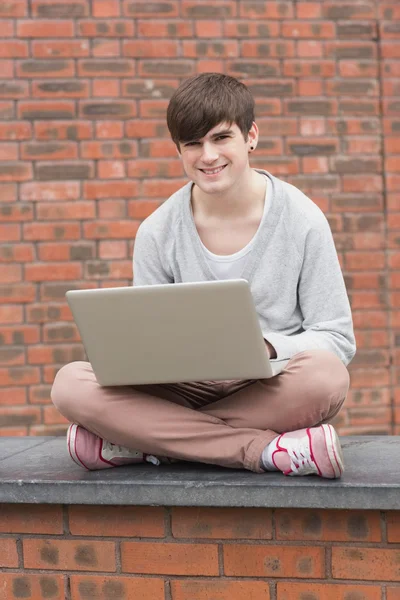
(282, 461)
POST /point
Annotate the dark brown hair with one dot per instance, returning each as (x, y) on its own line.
(203, 101)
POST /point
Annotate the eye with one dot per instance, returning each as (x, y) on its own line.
(221, 137)
(191, 143)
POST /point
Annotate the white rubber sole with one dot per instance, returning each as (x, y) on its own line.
(334, 450)
(71, 439)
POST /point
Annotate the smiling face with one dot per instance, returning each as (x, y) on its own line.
(220, 160)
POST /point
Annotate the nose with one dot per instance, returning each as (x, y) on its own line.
(209, 154)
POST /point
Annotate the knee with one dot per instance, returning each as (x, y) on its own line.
(67, 386)
(326, 380)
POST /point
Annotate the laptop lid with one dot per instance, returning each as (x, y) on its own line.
(171, 333)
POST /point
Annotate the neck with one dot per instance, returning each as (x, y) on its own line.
(235, 202)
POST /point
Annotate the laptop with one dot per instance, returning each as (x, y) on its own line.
(201, 331)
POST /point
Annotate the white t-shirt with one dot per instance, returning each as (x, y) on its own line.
(230, 266)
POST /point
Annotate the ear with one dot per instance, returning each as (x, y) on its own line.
(253, 135)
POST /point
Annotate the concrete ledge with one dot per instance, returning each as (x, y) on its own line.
(38, 470)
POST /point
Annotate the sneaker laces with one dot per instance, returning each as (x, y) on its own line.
(301, 461)
(122, 452)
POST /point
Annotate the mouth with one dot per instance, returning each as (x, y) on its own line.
(213, 172)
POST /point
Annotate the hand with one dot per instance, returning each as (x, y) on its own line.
(270, 349)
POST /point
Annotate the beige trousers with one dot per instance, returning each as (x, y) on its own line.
(226, 423)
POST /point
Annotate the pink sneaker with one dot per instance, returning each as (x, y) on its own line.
(312, 451)
(92, 452)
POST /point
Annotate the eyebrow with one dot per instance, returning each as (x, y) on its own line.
(214, 135)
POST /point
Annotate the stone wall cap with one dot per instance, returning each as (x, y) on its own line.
(38, 470)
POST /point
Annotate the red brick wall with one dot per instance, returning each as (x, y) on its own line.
(202, 553)
(85, 156)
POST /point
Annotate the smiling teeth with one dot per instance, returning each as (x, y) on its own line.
(213, 171)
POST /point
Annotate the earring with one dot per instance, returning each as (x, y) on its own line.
(251, 148)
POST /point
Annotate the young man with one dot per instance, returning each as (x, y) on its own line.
(230, 221)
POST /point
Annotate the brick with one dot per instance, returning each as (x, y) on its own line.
(169, 559)
(127, 521)
(45, 29)
(82, 555)
(58, 130)
(356, 29)
(65, 211)
(57, 271)
(45, 68)
(208, 29)
(146, 129)
(165, 29)
(271, 10)
(109, 250)
(66, 251)
(8, 192)
(18, 415)
(369, 564)
(123, 109)
(31, 518)
(27, 334)
(12, 396)
(111, 169)
(59, 8)
(108, 189)
(106, 28)
(161, 189)
(218, 523)
(60, 332)
(45, 109)
(326, 591)
(273, 561)
(319, 30)
(37, 313)
(27, 585)
(151, 49)
(106, 48)
(168, 9)
(103, 588)
(349, 10)
(8, 553)
(219, 590)
(54, 191)
(150, 168)
(364, 378)
(350, 68)
(8, 151)
(310, 107)
(110, 230)
(140, 89)
(249, 29)
(160, 68)
(140, 209)
(106, 8)
(12, 356)
(309, 68)
(10, 314)
(14, 49)
(108, 150)
(50, 231)
(46, 150)
(14, 8)
(106, 88)
(393, 527)
(55, 49)
(15, 171)
(47, 171)
(109, 130)
(54, 89)
(328, 525)
(111, 209)
(105, 68)
(392, 593)
(17, 293)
